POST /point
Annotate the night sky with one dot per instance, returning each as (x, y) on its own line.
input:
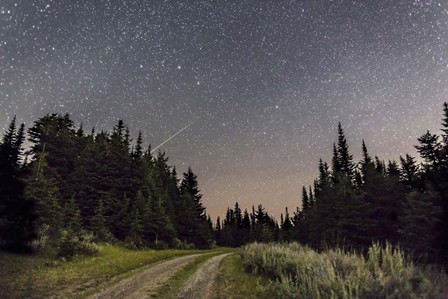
(262, 83)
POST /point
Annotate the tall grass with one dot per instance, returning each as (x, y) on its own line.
(300, 272)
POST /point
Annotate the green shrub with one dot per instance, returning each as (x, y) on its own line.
(72, 244)
(41, 240)
(300, 272)
(160, 245)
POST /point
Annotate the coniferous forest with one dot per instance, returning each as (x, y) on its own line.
(353, 205)
(70, 186)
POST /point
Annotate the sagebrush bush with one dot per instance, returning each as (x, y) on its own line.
(72, 244)
(300, 272)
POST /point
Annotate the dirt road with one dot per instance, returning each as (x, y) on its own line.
(145, 284)
(202, 284)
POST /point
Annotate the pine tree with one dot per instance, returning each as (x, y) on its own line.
(344, 157)
(419, 224)
(190, 192)
(159, 226)
(43, 192)
(323, 182)
(85, 181)
(218, 232)
(17, 218)
(72, 216)
(367, 164)
(246, 228)
(311, 197)
(445, 123)
(118, 215)
(335, 164)
(56, 133)
(286, 227)
(409, 171)
(430, 149)
(136, 228)
(138, 151)
(305, 200)
(393, 169)
(98, 224)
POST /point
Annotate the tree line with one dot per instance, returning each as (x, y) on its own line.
(353, 204)
(102, 184)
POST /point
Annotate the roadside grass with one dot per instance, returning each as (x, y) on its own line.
(300, 272)
(235, 283)
(42, 277)
(172, 288)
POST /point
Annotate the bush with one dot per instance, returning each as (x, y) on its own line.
(104, 236)
(72, 244)
(41, 240)
(300, 272)
(160, 245)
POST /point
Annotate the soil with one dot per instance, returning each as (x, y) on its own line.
(202, 285)
(145, 284)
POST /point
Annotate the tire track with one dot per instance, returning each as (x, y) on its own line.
(145, 284)
(202, 285)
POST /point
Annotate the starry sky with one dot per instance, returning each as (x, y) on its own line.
(262, 83)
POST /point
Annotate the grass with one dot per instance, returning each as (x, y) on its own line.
(299, 272)
(235, 283)
(38, 277)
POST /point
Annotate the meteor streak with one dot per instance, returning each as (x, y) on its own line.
(180, 131)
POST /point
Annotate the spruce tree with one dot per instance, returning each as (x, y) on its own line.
(43, 192)
(305, 200)
(136, 227)
(72, 216)
(138, 151)
(445, 124)
(344, 157)
(393, 170)
(17, 217)
(191, 195)
(430, 149)
(409, 171)
(286, 227)
(246, 228)
(98, 224)
(57, 134)
(311, 197)
(420, 223)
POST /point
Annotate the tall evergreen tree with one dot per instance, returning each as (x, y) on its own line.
(409, 171)
(72, 216)
(344, 157)
(419, 224)
(17, 217)
(98, 224)
(43, 192)
(305, 200)
(190, 192)
(430, 149)
(56, 133)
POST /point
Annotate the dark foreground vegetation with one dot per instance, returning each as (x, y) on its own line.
(300, 272)
(72, 189)
(353, 205)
